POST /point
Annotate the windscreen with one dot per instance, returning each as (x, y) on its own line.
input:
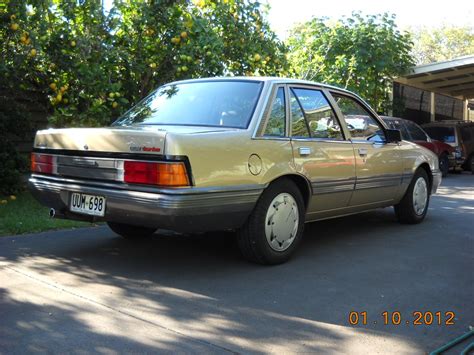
(202, 103)
(443, 134)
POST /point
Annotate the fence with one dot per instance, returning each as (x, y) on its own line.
(414, 104)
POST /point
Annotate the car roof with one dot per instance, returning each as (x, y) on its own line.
(391, 118)
(272, 79)
(449, 123)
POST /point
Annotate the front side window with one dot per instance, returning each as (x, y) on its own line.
(277, 120)
(416, 132)
(361, 124)
(201, 103)
(319, 115)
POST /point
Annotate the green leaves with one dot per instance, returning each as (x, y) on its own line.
(135, 47)
(359, 53)
(442, 43)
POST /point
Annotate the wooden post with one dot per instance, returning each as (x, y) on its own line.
(465, 110)
(432, 107)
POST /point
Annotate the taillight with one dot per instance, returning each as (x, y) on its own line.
(42, 163)
(163, 174)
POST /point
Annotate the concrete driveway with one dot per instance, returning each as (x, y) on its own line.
(87, 290)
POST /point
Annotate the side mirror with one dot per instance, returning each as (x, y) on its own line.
(393, 135)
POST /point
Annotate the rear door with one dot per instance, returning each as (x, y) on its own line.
(322, 151)
(379, 165)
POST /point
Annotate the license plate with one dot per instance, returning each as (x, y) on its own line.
(87, 204)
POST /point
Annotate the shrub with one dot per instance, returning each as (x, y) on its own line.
(94, 65)
(13, 125)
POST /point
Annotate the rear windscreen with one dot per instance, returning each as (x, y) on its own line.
(218, 103)
(443, 134)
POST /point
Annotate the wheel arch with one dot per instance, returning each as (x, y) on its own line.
(301, 182)
(426, 167)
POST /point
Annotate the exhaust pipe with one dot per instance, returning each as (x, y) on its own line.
(61, 214)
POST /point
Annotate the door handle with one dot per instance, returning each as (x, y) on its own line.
(363, 151)
(305, 150)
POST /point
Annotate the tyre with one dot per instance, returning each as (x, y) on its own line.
(131, 232)
(414, 205)
(275, 226)
(444, 164)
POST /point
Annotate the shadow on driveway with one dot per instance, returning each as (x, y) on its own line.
(198, 286)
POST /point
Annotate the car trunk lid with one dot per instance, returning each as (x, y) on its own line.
(111, 140)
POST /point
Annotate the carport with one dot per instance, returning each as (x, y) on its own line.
(436, 91)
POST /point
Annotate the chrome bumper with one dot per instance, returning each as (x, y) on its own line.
(437, 177)
(185, 209)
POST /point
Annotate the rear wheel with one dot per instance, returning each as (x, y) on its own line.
(444, 164)
(131, 232)
(275, 227)
(414, 205)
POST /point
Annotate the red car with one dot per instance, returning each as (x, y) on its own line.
(414, 133)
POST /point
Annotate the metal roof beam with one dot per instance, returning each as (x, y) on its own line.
(443, 75)
(443, 83)
(465, 94)
(459, 88)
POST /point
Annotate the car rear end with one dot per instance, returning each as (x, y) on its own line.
(449, 134)
(136, 171)
(92, 175)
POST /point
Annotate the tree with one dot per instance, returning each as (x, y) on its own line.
(442, 43)
(359, 53)
(93, 65)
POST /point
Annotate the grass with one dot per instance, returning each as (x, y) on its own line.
(23, 214)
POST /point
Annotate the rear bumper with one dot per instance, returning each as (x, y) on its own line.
(184, 210)
(437, 177)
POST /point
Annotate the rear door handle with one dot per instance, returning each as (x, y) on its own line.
(305, 150)
(363, 151)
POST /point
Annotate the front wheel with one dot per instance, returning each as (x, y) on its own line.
(414, 205)
(131, 232)
(275, 227)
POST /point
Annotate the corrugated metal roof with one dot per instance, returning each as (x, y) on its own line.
(454, 77)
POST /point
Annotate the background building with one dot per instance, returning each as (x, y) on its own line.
(437, 91)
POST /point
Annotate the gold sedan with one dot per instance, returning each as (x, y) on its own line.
(261, 156)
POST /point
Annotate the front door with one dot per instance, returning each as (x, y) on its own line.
(379, 167)
(321, 151)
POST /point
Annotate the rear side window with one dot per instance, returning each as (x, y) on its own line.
(416, 132)
(319, 115)
(277, 121)
(443, 134)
